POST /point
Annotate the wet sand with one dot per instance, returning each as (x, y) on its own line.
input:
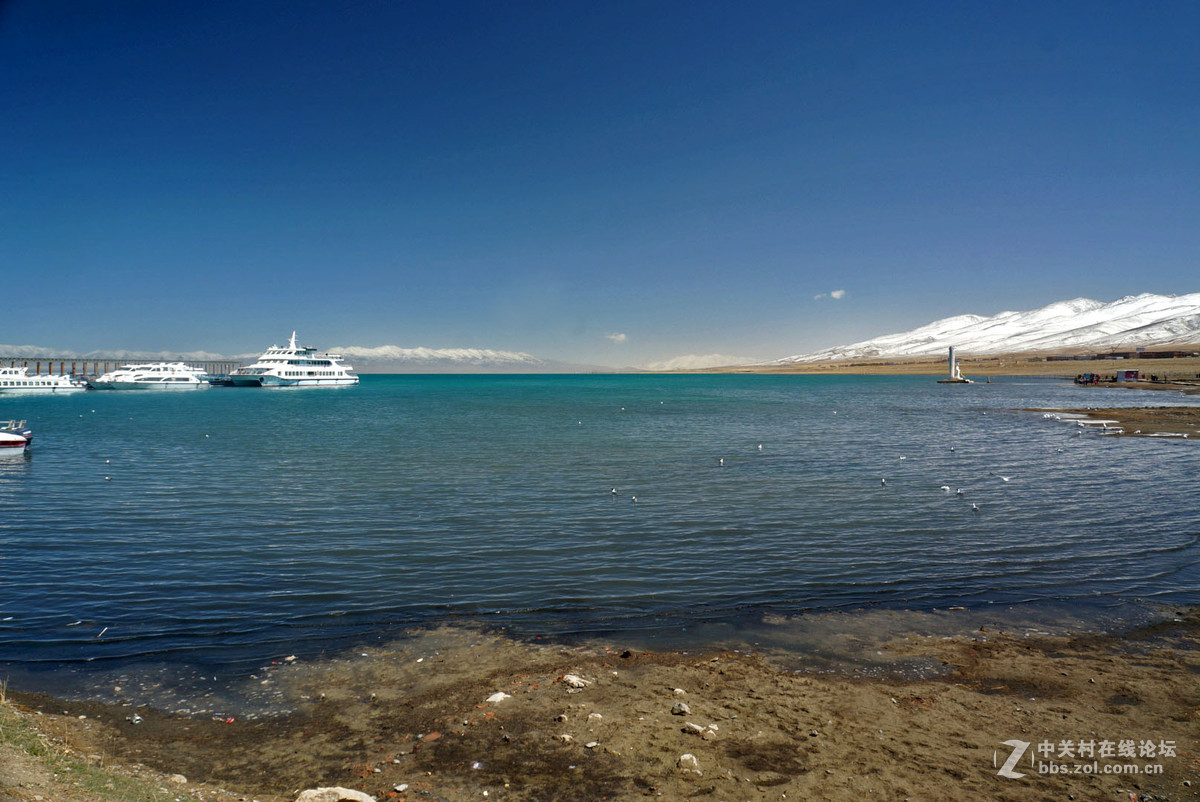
(928, 720)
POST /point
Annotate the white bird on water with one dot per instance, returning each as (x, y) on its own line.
(613, 491)
(634, 499)
(882, 481)
(974, 508)
(945, 488)
(959, 492)
(721, 461)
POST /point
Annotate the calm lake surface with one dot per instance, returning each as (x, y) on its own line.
(221, 527)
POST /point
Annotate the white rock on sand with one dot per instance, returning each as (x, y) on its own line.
(334, 794)
(575, 681)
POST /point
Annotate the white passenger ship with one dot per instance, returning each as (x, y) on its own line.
(152, 376)
(15, 380)
(294, 366)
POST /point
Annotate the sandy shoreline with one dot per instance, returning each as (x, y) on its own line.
(1185, 370)
(413, 721)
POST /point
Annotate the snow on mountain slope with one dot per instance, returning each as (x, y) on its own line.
(1131, 322)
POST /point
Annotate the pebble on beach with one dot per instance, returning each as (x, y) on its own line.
(575, 681)
(334, 794)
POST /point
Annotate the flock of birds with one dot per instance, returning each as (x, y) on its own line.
(959, 492)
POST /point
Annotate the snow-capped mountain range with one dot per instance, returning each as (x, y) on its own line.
(1080, 325)
(1076, 326)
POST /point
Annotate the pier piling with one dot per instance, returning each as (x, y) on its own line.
(84, 368)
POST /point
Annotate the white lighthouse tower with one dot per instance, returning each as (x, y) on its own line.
(955, 376)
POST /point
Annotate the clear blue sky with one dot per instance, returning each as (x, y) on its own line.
(535, 176)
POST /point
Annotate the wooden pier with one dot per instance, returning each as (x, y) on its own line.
(91, 367)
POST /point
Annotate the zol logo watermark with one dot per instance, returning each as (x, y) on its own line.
(1083, 756)
(1018, 750)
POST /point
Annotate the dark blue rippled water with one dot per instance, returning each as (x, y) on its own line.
(236, 523)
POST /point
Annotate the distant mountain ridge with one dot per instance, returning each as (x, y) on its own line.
(395, 359)
(380, 359)
(42, 352)
(1134, 321)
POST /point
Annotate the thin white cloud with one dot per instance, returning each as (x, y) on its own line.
(820, 295)
(617, 337)
(837, 295)
(700, 361)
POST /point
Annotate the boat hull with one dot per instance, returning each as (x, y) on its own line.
(164, 386)
(12, 444)
(43, 390)
(276, 381)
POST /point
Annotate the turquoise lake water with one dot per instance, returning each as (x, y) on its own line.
(221, 526)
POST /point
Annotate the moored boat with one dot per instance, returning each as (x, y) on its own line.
(17, 381)
(294, 366)
(15, 437)
(152, 376)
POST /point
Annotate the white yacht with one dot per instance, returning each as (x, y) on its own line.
(152, 376)
(18, 381)
(294, 366)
